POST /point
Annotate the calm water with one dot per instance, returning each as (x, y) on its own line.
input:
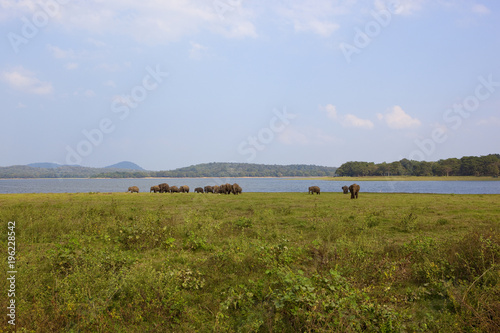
(248, 185)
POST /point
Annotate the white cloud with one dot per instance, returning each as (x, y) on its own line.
(26, 81)
(400, 7)
(197, 51)
(146, 21)
(397, 118)
(480, 9)
(315, 16)
(60, 53)
(491, 121)
(237, 29)
(71, 65)
(153, 21)
(350, 120)
(331, 111)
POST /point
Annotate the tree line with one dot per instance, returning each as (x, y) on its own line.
(488, 165)
(200, 170)
(232, 170)
(466, 166)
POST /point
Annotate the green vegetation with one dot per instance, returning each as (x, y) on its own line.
(200, 170)
(466, 166)
(257, 262)
(237, 170)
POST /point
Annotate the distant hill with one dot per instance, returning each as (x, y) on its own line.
(44, 165)
(54, 170)
(125, 165)
(234, 170)
(132, 170)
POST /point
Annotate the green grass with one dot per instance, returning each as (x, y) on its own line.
(257, 262)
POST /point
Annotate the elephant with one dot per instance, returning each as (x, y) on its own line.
(164, 188)
(314, 189)
(209, 189)
(236, 189)
(154, 189)
(216, 189)
(133, 189)
(345, 189)
(354, 189)
(198, 190)
(174, 189)
(184, 189)
(228, 188)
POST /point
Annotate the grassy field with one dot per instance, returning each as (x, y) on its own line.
(407, 178)
(258, 262)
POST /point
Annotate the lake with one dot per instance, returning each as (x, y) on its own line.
(248, 185)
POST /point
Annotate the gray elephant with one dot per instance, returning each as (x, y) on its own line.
(209, 189)
(314, 189)
(174, 189)
(164, 188)
(154, 189)
(133, 189)
(184, 189)
(345, 189)
(354, 189)
(198, 190)
(236, 189)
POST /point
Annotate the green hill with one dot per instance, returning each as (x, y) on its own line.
(131, 170)
(232, 170)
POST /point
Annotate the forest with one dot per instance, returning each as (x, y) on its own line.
(488, 165)
(199, 170)
(233, 170)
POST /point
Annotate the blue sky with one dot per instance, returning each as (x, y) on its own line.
(167, 84)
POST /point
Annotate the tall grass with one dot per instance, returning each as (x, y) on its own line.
(259, 262)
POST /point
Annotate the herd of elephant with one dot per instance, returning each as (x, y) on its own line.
(165, 188)
(228, 189)
(354, 189)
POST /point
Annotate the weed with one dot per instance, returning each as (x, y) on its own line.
(194, 242)
(243, 222)
(408, 223)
